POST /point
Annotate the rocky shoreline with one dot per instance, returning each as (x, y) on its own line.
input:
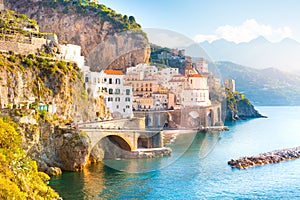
(265, 158)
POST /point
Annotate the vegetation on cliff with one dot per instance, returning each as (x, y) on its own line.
(265, 87)
(239, 107)
(19, 176)
(25, 77)
(89, 25)
(11, 21)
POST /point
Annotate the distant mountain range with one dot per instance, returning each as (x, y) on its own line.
(269, 86)
(258, 53)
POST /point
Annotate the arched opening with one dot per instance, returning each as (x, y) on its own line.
(143, 142)
(219, 115)
(110, 147)
(119, 142)
(210, 117)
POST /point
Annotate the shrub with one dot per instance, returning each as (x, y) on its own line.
(19, 176)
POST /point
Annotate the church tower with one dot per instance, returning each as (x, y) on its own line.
(1, 5)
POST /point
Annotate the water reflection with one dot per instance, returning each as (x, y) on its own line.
(99, 181)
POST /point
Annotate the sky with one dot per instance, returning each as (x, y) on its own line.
(200, 20)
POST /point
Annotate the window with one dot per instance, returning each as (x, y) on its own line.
(117, 99)
(118, 81)
(127, 91)
(110, 99)
(104, 89)
(127, 106)
(127, 99)
(105, 80)
(117, 106)
(110, 91)
(86, 79)
(110, 81)
(117, 91)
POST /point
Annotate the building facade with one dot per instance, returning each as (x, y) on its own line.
(72, 53)
(1, 5)
(110, 85)
(230, 84)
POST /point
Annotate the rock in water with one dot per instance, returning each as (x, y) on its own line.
(265, 158)
(53, 171)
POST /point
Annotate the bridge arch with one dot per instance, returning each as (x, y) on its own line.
(110, 146)
(120, 142)
(143, 142)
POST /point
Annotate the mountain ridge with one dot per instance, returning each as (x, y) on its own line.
(258, 53)
(264, 87)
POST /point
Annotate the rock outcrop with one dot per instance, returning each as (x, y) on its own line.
(239, 107)
(93, 28)
(63, 148)
(265, 158)
(243, 110)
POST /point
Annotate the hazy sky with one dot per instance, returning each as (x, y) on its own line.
(234, 20)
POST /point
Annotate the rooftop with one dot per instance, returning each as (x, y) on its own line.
(113, 72)
(196, 75)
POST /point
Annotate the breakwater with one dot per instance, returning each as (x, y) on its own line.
(265, 158)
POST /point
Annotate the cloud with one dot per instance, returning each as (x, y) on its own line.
(247, 31)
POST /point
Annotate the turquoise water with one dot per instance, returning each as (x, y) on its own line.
(201, 172)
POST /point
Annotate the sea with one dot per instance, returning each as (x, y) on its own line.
(197, 168)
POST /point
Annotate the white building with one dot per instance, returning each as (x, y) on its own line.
(92, 83)
(110, 84)
(196, 92)
(118, 97)
(143, 71)
(72, 53)
(166, 74)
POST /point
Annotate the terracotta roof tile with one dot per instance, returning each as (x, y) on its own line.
(113, 72)
(195, 75)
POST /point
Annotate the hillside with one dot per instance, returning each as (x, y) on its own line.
(263, 87)
(105, 36)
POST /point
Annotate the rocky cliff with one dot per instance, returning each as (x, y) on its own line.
(28, 81)
(96, 28)
(239, 107)
(31, 79)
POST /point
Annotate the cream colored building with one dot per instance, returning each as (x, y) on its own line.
(196, 92)
(230, 84)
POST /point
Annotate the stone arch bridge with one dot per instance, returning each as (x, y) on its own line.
(129, 140)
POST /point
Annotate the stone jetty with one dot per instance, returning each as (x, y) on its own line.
(265, 158)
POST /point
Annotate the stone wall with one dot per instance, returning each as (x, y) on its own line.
(23, 48)
(124, 124)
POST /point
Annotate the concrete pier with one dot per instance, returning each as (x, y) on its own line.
(265, 158)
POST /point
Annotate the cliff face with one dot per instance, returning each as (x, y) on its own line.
(90, 27)
(242, 110)
(32, 79)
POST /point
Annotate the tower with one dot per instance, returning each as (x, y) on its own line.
(1, 5)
